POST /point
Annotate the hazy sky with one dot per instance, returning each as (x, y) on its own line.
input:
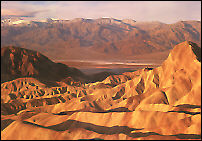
(163, 11)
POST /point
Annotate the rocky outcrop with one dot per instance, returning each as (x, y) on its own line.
(160, 103)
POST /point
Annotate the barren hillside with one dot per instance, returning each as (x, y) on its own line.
(160, 103)
(103, 39)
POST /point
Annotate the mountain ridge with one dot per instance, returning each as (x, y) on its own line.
(158, 103)
(91, 40)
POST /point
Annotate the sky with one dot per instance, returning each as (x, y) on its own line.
(162, 11)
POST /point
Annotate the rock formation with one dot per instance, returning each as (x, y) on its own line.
(160, 103)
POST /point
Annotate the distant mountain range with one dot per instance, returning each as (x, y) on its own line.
(101, 39)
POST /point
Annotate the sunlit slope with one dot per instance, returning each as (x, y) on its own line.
(159, 103)
(102, 39)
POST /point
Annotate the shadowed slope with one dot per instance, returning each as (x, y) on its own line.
(73, 127)
(19, 62)
(196, 50)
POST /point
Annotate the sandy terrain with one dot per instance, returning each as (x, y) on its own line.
(160, 103)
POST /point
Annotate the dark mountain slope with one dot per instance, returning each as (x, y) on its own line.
(19, 62)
